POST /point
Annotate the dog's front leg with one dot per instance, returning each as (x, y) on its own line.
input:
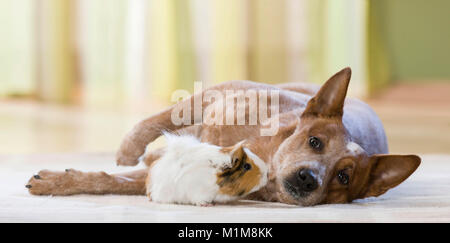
(70, 182)
(143, 133)
(146, 131)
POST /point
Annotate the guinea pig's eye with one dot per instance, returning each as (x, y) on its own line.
(247, 166)
(315, 143)
(343, 177)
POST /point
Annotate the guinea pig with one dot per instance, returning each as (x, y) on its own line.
(192, 172)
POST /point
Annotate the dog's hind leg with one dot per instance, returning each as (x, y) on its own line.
(70, 182)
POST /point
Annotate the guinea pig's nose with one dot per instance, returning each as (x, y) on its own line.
(306, 180)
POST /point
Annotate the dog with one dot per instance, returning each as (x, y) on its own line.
(328, 148)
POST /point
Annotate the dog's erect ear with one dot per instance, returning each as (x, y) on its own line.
(329, 100)
(387, 171)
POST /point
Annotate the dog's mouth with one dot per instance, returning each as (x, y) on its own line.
(293, 191)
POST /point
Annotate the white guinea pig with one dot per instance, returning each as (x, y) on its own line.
(192, 172)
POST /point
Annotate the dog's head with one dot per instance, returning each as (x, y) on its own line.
(319, 162)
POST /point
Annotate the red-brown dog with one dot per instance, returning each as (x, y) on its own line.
(328, 149)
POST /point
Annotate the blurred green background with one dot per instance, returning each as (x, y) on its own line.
(105, 60)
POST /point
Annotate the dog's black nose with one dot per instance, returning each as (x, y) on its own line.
(306, 181)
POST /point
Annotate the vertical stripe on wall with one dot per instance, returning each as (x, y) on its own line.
(297, 40)
(103, 59)
(162, 64)
(338, 31)
(17, 49)
(171, 47)
(135, 83)
(344, 38)
(56, 61)
(315, 16)
(202, 31)
(377, 57)
(267, 38)
(185, 59)
(229, 37)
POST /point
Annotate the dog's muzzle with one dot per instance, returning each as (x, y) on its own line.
(302, 183)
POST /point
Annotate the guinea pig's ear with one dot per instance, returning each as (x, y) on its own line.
(238, 153)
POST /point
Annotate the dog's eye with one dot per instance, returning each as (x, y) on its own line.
(343, 177)
(315, 143)
(247, 166)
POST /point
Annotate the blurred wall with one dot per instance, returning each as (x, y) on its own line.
(137, 52)
(17, 44)
(113, 52)
(416, 35)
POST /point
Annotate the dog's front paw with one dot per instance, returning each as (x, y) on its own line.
(126, 159)
(47, 182)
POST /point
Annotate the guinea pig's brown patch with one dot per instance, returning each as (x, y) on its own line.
(242, 177)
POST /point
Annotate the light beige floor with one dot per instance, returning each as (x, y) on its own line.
(424, 197)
